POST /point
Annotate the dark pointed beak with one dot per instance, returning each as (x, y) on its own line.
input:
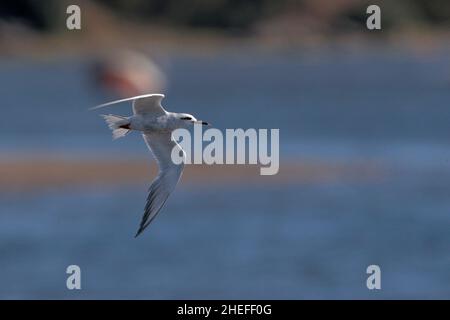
(204, 123)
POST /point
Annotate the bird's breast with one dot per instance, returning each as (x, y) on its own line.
(150, 124)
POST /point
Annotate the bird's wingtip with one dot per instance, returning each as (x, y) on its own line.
(126, 99)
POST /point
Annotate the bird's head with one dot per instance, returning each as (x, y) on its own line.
(186, 120)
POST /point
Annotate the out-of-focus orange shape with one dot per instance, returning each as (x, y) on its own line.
(129, 74)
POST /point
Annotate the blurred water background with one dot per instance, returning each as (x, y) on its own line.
(275, 239)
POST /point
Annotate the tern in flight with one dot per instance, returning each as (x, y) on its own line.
(156, 125)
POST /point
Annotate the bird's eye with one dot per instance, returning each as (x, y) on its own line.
(186, 118)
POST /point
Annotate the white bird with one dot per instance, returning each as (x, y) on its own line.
(156, 125)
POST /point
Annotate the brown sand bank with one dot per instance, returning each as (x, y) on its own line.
(43, 173)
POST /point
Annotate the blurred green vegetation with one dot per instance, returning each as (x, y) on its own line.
(40, 15)
(222, 14)
(232, 15)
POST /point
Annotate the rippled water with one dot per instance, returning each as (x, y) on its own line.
(296, 240)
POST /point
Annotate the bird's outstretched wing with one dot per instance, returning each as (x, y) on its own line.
(150, 104)
(161, 144)
(147, 103)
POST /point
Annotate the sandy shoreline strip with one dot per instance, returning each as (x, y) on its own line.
(20, 174)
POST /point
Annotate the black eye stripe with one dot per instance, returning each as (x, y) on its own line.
(186, 118)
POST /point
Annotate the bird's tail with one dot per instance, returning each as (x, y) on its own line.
(120, 126)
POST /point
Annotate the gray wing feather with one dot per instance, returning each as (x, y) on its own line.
(161, 146)
(150, 104)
